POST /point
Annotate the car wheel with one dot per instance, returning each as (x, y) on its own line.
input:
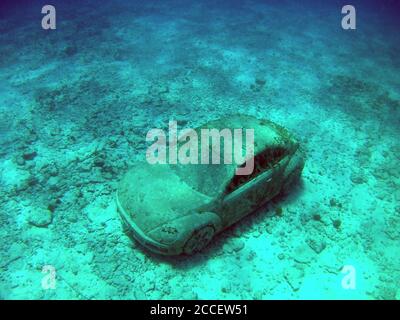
(199, 239)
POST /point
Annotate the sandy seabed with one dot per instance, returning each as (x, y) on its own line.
(76, 104)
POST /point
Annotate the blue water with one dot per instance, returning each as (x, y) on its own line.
(76, 103)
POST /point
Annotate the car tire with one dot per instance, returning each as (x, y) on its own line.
(290, 182)
(199, 239)
(293, 172)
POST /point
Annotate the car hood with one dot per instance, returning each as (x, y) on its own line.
(153, 195)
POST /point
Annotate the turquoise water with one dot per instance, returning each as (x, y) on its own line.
(76, 104)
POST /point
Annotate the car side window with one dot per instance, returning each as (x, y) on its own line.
(263, 161)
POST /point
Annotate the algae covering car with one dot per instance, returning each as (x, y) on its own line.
(178, 208)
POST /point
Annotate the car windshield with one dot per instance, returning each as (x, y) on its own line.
(217, 179)
(209, 179)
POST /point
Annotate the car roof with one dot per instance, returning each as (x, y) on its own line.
(212, 179)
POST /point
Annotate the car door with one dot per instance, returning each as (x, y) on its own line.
(244, 194)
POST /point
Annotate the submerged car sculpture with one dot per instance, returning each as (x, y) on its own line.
(175, 209)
